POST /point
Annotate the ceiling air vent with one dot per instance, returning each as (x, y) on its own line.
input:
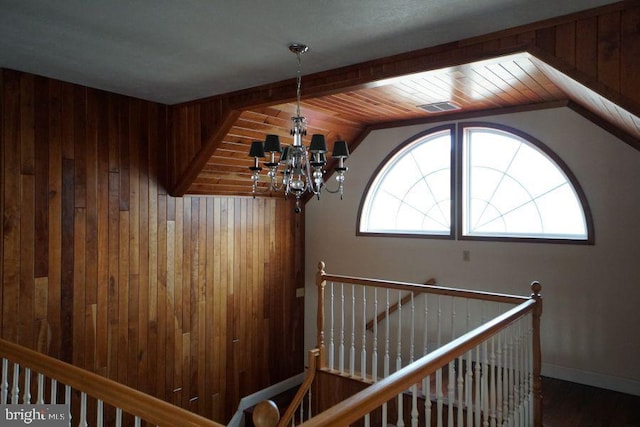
(439, 107)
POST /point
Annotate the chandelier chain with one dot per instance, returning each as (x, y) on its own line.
(299, 84)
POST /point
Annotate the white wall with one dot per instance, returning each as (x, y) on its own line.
(591, 293)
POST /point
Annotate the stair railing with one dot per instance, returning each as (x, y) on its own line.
(492, 375)
(518, 378)
(297, 405)
(52, 381)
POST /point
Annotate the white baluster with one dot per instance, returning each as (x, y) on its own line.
(477, 405)
(485, 385)
(453, 318)
(469, 388)
(83, 410)
(387, 360)
(363, 352)
(15, 389)
(136, 422)
(439, 397)
(521, 370)
(523, 375)
(352, 349)
(387, 355)
(341, 358)
(468, 377)
(400, 421)
(505, 377)
(425, 332)
(414, 405)
(309, 404)
(530, 369)
(426, 382)
(118, 417)
(99, 415)
(374, 354)
(301, 413)
(367, 421)
(460, 390)
(399, 346)
(40, 399)
(439, 337)
(516, 377)
(4, 388)
(511, 377)
(67, 400)
(414, 400)
(492, 385)
(26, 396)
(412, 330)
(468, 315)
(331, 322)
(451, 393)
(499, 368)
(54, 391)
(452, 372)
(426, 387)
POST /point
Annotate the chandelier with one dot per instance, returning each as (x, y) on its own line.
(302, 168)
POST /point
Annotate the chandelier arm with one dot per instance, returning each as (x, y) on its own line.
(328, 190)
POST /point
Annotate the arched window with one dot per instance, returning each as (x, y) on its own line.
(510, 186)
(411, 194)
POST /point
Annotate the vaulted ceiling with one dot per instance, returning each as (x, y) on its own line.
(514, 80)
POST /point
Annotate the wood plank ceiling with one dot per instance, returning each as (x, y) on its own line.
(505, 82)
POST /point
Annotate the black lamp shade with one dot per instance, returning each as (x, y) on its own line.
(340, 149)
(257, 149)
(318, 144)
(272, 144)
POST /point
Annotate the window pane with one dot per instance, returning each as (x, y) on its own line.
(412, 193)
(513, 189)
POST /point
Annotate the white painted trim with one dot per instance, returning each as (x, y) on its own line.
(264, 394)
(623, 385)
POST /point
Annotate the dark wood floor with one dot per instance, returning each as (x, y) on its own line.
(567, 404)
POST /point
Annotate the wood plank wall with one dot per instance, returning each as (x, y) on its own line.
(189, 299)
(602, 45)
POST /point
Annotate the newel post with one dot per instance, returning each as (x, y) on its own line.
(320, 283)
(537, 355)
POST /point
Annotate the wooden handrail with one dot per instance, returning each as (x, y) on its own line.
(302, 391)
(148, 408)
(432, 289)
(394, 307)
(364, 402)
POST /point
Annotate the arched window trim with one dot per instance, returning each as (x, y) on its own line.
(457, 134)
(452, 130)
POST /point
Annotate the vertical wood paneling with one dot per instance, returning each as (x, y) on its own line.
(11, 208)
(100, 267)
(609, 50)
(587, 46)
(630, 52)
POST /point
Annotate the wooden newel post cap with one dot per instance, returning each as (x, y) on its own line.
(321, 266)
(266, 414)
(536, 288)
